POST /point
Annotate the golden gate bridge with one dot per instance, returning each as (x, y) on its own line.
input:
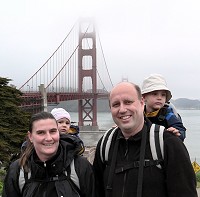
(76, 70)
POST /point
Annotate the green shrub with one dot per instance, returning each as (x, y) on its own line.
(198, 176)
(2, 174)
(1, 187)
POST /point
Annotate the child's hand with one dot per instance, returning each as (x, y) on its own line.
(174, 131)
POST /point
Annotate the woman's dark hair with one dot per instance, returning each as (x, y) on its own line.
(39, 116)
(29, 146)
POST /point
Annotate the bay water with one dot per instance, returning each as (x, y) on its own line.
(190, 118)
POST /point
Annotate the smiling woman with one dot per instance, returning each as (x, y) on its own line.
(46, 161)
(45, 138)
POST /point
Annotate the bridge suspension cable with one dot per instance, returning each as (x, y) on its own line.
(50, 56)
(105, 60)
(59, 73)
(75, 71)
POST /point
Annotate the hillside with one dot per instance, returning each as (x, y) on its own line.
(184, 103)
(103, 105)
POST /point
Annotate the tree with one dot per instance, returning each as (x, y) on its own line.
(13, 121)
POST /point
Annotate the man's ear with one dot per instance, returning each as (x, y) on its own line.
(144, 98)
(142, 101)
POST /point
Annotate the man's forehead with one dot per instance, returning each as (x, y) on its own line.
(123, 88)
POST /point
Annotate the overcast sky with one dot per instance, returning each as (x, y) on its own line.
(138, 38)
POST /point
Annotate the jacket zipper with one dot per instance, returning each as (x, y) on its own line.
(124, 184)
(126, 157)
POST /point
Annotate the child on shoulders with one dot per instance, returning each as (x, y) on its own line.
(157, 107)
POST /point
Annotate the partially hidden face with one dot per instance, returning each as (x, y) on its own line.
(63, 125)
(45, 138)
(155, 100)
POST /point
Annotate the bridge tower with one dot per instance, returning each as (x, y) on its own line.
(87, 70)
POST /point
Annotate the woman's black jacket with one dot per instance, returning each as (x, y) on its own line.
(48, 179)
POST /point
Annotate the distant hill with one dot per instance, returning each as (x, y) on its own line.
(184, 103)
(103, 105)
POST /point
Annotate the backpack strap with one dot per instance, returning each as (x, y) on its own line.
(136, 164)
(23, 178)
(72, 177)
(156, 146)
(105, 144)
(141, 164)
(156, 143)
(70, 174)
(112, 169)
(73, 174)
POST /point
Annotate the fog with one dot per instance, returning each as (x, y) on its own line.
(138, 38)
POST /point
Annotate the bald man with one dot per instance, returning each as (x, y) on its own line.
(130, 169)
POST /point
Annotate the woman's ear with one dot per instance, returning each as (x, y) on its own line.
(30, 136)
